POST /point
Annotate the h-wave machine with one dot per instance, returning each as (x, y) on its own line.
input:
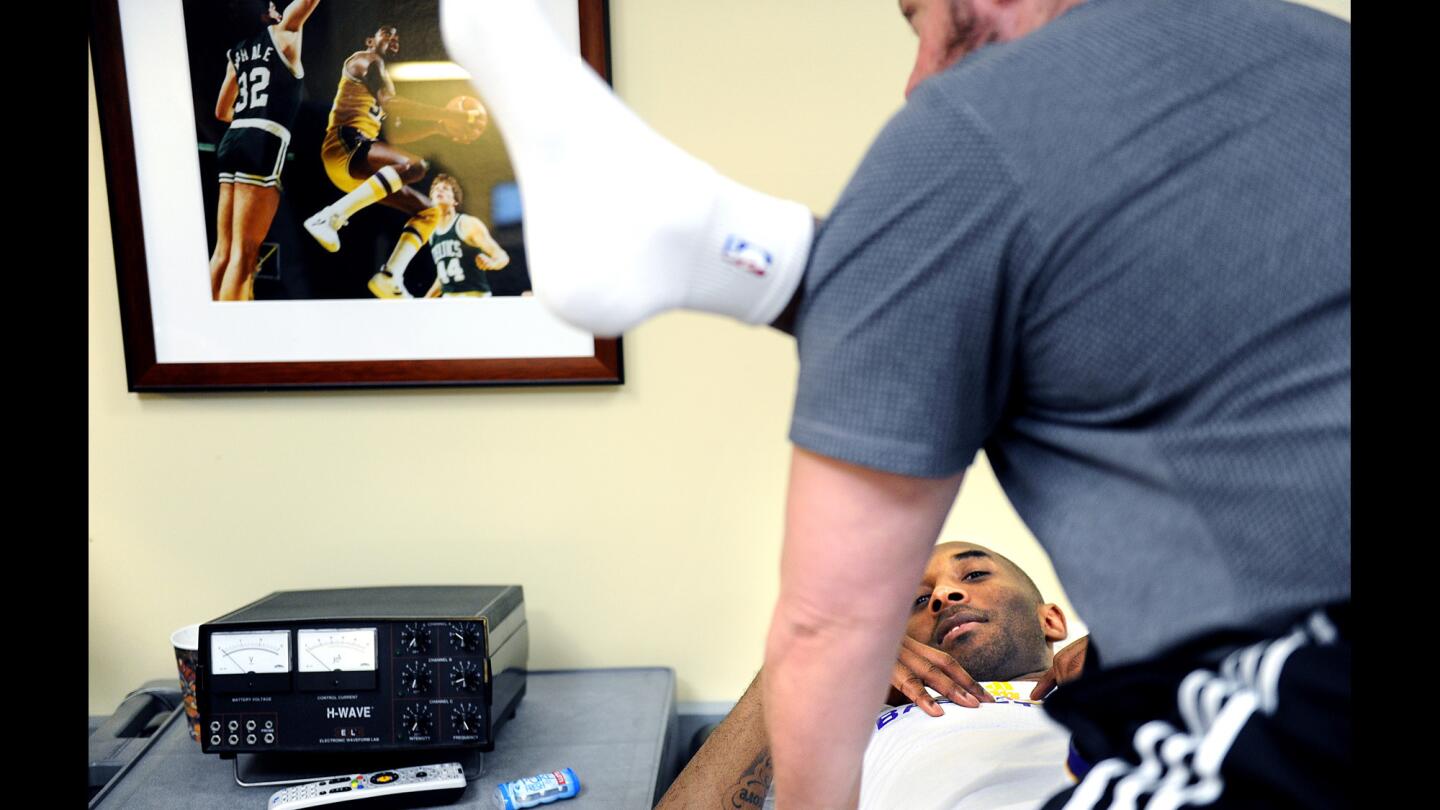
(362, 671)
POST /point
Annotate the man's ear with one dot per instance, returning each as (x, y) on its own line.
(1052, 621)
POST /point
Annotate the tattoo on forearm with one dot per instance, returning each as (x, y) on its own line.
(753, 784)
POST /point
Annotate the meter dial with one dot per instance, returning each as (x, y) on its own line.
(465, 636)
(465, 718)
(262, 651)
(417, 720)
(414, 640)
(348, 650)
(415, 679)
(465, 676)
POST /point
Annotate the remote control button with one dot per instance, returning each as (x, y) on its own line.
(421, 774)
(384, 777)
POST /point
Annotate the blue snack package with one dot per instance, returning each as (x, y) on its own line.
(537, 790)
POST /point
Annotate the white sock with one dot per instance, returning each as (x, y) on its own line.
(405, 249)
(620, 224)
(379, 186)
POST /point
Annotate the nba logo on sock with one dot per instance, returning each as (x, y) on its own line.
(746, 256)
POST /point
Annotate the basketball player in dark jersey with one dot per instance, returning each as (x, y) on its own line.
(369, 169)
(460, 245)
(259, 98)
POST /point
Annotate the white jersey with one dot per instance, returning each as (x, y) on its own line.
(1006, 755)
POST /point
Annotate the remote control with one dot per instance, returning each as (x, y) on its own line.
(422, 786)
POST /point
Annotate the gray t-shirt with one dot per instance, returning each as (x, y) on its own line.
(1115, 254)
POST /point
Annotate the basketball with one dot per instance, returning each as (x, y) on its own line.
(479, 118)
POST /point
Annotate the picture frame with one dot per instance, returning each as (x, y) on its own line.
(177, 339)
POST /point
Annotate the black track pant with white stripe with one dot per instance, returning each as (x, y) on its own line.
(1236, 719)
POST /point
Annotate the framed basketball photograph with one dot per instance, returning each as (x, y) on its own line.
(310, 194)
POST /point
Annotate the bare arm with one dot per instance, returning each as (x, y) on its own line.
(732, 768)
(404, 130)
(225, 104)
(377, 78)
(408, 110)
(405, 120)
(856, 541)
(296, 14)
(475, 234)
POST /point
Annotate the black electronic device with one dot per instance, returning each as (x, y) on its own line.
(363, 669)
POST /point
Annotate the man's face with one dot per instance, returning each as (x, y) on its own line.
(442, 194)
(975, 606)
(387, 41)
(948, 30)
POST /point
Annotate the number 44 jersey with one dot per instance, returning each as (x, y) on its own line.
(455, 262)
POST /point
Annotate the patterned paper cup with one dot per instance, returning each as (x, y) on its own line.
(186, 642)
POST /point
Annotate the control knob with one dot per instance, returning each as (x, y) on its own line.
(417, 720)
(466, 677)
(414, 639)
(415, 679)
(465, 718)
(465, 636)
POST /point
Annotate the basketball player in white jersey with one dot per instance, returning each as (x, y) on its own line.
(980, 633)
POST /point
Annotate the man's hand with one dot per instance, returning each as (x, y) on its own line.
(492, 263)
(462, 133)
(1065, 667)
(920, 666)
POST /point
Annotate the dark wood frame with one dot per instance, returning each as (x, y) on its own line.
(146, 374)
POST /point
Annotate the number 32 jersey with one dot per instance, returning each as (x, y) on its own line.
(269, 87)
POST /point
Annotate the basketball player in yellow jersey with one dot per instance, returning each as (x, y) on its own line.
(372, 170)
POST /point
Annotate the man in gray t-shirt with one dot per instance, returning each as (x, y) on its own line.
(1115, 254)
(1111, 247)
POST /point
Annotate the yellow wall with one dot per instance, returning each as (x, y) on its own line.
(643, 521)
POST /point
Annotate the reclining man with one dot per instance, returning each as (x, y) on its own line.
(978, 632)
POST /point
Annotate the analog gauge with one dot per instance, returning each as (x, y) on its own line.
(262, 651)
(465, 718)
(414, 640)
(415, 679)
(465, 676)
(465, 636)
(349, 650)
(417, 720)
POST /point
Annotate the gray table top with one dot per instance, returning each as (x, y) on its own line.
(614, 727)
